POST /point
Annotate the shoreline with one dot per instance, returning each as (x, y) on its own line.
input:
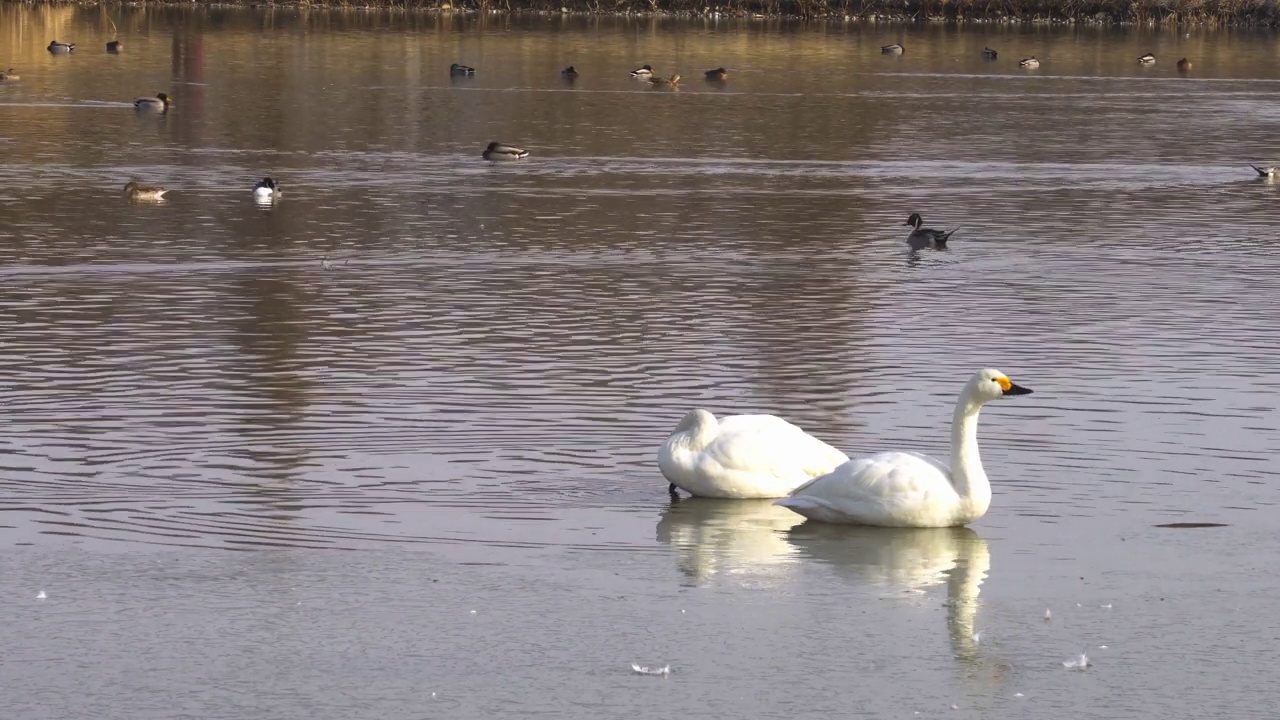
(1087, 13)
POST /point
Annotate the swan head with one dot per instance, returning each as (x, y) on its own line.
(696, 419)
(990, 384)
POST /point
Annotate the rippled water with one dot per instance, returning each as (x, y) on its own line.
(416, 351)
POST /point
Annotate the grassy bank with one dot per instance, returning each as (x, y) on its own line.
(1265, 13)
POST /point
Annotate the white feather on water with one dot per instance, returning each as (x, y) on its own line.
(1078, 663)
(663, 671)
(41, 596)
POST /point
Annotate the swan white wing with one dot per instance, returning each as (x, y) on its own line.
(893, 488)
(769, 443)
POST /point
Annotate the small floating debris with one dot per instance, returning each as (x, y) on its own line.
(1105, 607)
(663, 671)
(1102, 647)
(1019, 695)
(1079, 663)
(473, 612)
(1190, 525)
(1047, 615)
(977, 638)
(41, 596)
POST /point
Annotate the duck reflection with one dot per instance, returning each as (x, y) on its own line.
(907, 560)
(742, 539)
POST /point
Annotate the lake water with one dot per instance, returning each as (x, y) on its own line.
(386, 448)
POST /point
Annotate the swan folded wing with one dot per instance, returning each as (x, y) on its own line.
(769, 444)
(892, 489)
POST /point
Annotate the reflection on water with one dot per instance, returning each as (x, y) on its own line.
(742, 539)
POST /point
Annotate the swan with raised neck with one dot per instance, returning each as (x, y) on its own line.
(906, 489)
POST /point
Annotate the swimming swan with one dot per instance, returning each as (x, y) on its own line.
(742, 456)
(905, 489)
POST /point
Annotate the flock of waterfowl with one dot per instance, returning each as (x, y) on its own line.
(1032, 61)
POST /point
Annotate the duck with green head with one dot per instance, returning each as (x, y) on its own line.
(497, 152)
(159, 103)
(459, 70)
(717, 75)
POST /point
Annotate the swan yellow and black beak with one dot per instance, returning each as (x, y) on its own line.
(1010, 388)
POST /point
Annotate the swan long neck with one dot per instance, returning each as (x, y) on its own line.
(700, 428)
(967, 476)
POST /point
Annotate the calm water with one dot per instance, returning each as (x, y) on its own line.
(435, 452)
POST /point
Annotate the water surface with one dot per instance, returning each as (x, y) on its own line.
(421, 386)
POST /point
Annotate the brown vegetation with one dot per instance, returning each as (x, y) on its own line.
(1093, 12)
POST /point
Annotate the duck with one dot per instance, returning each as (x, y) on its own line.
(1030, 62)
(159, 103)
(894, 49)
(137, 191)
(742, 456)
(59, 47)
(114, 46)
(266, 189)
(497, 151)
(906, 489)
(456, 69)
(665, 82)
(644, 71)
(569, 73)
(1146, 59)
(923, 237)
(1184, 64)
(8, 75)
(989, 54)
(1267, 171)
(717, 75)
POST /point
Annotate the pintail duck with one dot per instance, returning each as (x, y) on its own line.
(894, 49)
(137, 191)
(643, 71)
(266, 189)
(159, 103)
(57, 47)
(1266, 171)
(497, 151)
(989, 54)
(923, 237)
(1146, 59)
(1184, 64)
(1030, 62)
(8, 75)
(717, 75)
(665, 82)
(456, 69)
(569, 73)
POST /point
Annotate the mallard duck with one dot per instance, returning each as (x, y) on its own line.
(456, 69)
(266, 189)
(8, 75)
(159, 103)
(57, 47)
(665, 82)
(1146, 59)
(138, 191)
(717, 75)
(643, 71)
(989, 54)
(1184, 64)
(923, 237)
(497, 151)
(569, 73)
(1266, 172)
(894, 49)
(114, 46)
(1030, 62)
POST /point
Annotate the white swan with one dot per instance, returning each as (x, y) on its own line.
(905, 489)
(742, 456)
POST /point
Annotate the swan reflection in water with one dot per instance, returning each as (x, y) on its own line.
(907, 560)
(743, 539)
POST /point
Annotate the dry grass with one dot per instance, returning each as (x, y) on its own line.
(1093, 12)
